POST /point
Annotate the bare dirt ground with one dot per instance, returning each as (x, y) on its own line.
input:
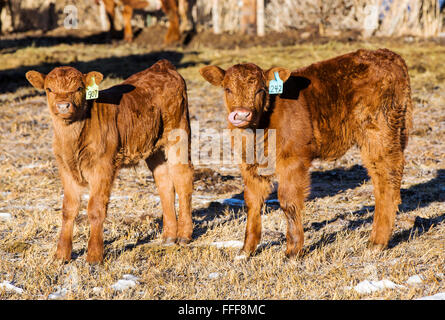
(338, 216)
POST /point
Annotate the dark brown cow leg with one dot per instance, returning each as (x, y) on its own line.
(170, 9)
(109, 8)
(127, 15)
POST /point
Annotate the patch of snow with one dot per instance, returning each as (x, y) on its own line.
(240, 257)
(122, 285)
(31, 166)
(119, 198)
(228, 244)
(241, 203)
(40, 207)
(127, 282)
(366, 286)
(5, 216)
(203, 196)
(7, 286)
(227, 169)
(59, 294)
(416, 279)
(437, 296)
(214, 275)
(204, 199)
(70, 278)
(130, 277)
(97, 290)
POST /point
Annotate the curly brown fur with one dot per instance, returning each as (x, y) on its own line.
(361, 98)
(129, 122)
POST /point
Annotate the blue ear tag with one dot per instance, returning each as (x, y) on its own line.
(276, 86)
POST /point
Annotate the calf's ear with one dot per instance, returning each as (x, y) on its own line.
(98, 77)
(213, 74)
(36, 79)
(283, 72)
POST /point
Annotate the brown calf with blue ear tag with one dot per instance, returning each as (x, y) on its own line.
(118, 127)
(362, 98)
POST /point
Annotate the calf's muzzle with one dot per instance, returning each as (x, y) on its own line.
(63, 107)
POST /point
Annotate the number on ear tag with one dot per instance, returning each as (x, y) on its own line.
(93, 90)
(276, 86)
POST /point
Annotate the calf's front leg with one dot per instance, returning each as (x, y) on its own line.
(256, 190)
(70, 209)
(293, 188)
(100, 189)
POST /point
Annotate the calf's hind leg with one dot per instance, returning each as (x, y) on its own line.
(164, 183)
(182, 176)
(385, 162)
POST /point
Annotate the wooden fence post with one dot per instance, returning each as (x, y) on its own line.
(216, 18)
(105, 25)
(260, 18)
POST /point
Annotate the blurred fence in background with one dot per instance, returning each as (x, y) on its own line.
(370, 17)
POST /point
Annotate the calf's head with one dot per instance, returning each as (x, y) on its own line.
(246, 90)
(65, 90)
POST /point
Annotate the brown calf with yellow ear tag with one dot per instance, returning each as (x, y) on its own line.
(130, 122)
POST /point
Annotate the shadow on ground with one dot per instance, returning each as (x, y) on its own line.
(11, 45)
(417, 196)
(324, 184)
(116, 67)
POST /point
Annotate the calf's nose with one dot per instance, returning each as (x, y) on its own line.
(242, 115)
(63, 107)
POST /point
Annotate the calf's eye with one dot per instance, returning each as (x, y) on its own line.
(49, 90)
(228, 90)
(80, 89)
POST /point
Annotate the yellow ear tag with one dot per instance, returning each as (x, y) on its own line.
(93, 90)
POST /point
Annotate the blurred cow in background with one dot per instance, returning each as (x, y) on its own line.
(177, 11)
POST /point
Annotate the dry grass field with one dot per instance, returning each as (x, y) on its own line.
(337, 261)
